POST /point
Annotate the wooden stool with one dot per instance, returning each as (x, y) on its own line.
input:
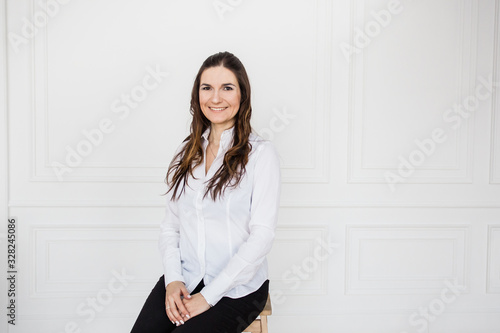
(260, 325)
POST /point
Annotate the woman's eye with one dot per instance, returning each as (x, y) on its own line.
(205, 88)
(228, 88)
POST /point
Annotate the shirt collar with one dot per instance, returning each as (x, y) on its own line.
(226, 136)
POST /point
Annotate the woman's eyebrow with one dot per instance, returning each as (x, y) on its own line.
(224, 84)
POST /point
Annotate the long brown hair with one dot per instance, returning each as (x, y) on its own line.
(233, 167)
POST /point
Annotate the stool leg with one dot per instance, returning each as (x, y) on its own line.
(263, 324)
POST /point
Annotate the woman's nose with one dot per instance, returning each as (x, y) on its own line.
(216, 97)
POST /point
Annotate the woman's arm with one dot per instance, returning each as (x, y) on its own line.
(168, 244)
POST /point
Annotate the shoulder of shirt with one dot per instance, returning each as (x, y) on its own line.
(260, 144)
(257, 141)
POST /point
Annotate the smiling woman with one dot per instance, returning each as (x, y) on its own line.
(217, 230)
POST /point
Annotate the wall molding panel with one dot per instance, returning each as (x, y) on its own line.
(384, 259)
(68, 261)
(360, 170)
(493, 271)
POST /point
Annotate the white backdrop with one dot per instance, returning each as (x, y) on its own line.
(384, 112)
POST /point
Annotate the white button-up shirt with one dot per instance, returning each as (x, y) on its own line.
(223, 242)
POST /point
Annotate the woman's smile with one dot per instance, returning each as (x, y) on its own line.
(217, 109)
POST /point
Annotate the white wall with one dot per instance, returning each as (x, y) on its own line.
(342, 124)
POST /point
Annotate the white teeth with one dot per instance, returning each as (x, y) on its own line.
(217, 109)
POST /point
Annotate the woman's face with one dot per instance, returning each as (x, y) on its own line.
(220, 96)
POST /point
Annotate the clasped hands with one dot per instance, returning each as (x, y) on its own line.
(180, 305)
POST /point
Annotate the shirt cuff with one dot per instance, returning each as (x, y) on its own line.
(171, 277)
(216, 289)
(172, 269)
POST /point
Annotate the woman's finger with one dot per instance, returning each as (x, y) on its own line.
(169, 313)
(177, 317)
(182, 308)
(183, 312)
(185, 292)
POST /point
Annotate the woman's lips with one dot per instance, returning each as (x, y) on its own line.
(217, 109)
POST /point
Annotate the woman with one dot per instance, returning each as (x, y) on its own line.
(221, 214)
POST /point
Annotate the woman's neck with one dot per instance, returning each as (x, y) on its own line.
(216, 133)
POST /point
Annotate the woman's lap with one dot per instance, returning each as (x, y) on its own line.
(227, 316)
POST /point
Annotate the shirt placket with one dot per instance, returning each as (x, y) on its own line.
(201, 230)
(201, 188)
(199, 205)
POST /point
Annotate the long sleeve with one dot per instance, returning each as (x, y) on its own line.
(266, 188)
(168, 242)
